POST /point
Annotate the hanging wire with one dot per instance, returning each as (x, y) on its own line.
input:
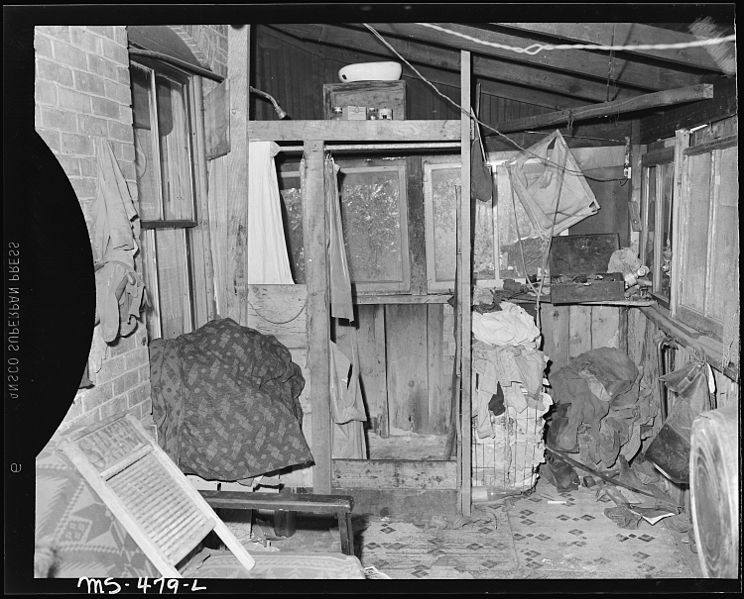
(611, 66)
(536, 48)
(470, 115)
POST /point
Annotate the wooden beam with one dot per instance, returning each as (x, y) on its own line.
(442, 66)
(238, 62)
(669, 97)
(464, 291)
(514, 72)
(626, 34)
(314, 228)
(394, 474)
(357, 131)
(577, 62)
(724, 103)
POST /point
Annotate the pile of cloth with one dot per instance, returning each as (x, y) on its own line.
(599, 410)
(226, 402)
(509, 398)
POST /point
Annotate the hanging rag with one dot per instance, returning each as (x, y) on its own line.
(267, 247)
(340, 280)
(347, 403)
(481, 177)
(119, 288)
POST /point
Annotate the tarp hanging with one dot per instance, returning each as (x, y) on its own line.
(548, 181)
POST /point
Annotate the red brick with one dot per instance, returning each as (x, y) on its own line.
(69, 98)
(101, 66)
(96, 396)
(85, 187)
(62, 120)
(92, 125)
(107, 32)
(76, 144)
(144, 373)
(105, 107)
(111, 369)
(46, 92)
(51, 71)
(138, 395)
(85, 40)
(122, 75)
(115, 52)
(87, 82)
(67, 54)
(120, 132)
(137, 357)
(120, 35)
(50, 137)
(59, 31)
(125, 116)
(125, 382)
(88, 167)
(70, 164)
(43, 45)
(118, 405)
(118, 91)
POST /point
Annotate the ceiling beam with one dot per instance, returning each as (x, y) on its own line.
(626, 34)
(513, 73)
(578, 62)
(443, 75)
(668, 97)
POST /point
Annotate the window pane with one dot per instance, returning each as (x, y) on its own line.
(443, 182)
(291, 194)
(650, 218)
(175, 150)
(725, 239)
(665, 197)
(371, 216)
(692, 279)
(173, 282)
(147, 176)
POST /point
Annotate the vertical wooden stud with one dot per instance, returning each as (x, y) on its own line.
(464, 250)
(315, 235)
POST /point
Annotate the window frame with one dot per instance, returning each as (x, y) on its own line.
(192, 259)
(655, 159)
(703, 321)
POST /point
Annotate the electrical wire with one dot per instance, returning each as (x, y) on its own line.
(536, 48)
(470, 115)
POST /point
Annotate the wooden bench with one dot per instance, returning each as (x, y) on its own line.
(338, 505)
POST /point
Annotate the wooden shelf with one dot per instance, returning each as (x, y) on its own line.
(402, 299)
(354, 131)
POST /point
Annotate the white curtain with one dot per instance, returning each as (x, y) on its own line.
(268, 261)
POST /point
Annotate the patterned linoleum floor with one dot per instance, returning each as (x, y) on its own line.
(570, 537)
(546, 535)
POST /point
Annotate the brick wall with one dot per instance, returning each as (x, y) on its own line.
(83, 91)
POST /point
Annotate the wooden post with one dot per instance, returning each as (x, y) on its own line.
(464, 292)
(315, 234)
(238, 62)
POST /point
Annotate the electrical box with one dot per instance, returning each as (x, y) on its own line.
(361, 100)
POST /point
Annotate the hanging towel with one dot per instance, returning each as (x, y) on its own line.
(347, 404)
(119, 288)
(340, 280)
(268, 261)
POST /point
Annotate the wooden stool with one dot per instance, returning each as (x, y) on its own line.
(339, 505)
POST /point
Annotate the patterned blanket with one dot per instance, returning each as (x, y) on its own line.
(226, 402)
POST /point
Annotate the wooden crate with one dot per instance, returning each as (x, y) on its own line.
(367, 94)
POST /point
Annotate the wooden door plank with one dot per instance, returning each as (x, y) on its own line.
(408, 395)
(605, 326)
(372, 366)
(580, 330)
(555, 321)
(439, 400)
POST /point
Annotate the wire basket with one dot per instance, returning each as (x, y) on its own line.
(508, 461)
